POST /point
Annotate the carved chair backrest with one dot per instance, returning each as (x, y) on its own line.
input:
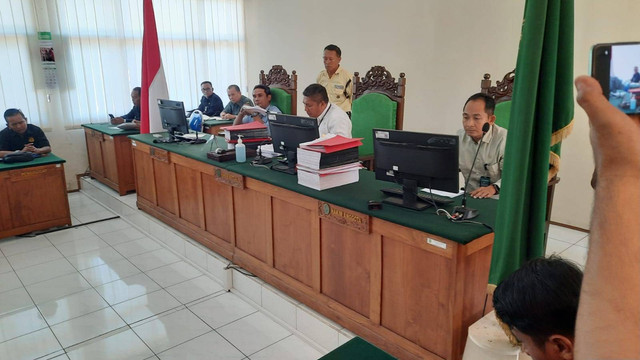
(278, 78)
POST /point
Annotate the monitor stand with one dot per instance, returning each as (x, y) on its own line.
(289, 167)
(198, 140)
(409, 198)
(168, 140)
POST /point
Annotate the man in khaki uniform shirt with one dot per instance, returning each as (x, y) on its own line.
(487, 172)
(335, 79)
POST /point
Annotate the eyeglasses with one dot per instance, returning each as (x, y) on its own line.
(207, 89)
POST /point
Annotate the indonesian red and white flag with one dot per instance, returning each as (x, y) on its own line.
(154, 84)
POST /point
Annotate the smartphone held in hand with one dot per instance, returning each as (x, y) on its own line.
(615, 66)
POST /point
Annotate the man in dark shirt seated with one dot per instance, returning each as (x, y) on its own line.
(210, 104)
(237, 102)
(134, 114)
(20, 136)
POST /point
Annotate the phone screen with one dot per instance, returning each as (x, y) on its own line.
(615, 66)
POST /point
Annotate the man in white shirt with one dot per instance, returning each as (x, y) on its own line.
(331, 118)
(487, 171)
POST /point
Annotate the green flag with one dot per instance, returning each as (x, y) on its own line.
(541, 111)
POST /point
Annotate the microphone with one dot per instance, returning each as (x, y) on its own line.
(463, 212)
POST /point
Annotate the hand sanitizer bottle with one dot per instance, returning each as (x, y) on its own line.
(632, 102)
(241, 151)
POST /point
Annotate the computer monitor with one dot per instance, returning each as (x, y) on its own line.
(173, 117)
(413, 160)
(287, 132)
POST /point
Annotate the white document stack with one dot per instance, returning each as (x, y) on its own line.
(330, 177)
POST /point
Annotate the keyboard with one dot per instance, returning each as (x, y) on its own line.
(424, 196)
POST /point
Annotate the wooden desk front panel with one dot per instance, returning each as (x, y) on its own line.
(110, 160)
(144, 176)
(252, 215)
(346, 266)
(35, 198)
(218, 208)
(94, 151)
(295, 240)
(184, 194)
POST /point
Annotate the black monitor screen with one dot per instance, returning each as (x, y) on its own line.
(287, 132)
(173, 116)
(414, 159)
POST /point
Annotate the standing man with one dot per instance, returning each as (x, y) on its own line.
(237, 101)
(335, 79)
(262, 98)
(20, 136)
(487, 171)
(331, 118)
(210, 104)
(134, 114)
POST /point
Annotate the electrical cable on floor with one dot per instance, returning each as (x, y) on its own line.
(34, 234)
(237, 268)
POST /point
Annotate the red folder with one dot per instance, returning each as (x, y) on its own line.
(252, 140)
(333, 144)
(248, 126)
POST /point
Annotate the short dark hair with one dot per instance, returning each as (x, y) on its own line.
(206, 82)
(13, 112)
(138, 89)
(541, 298)
(234, 86)
(335, 48)
(316, 92)
(266, 89)
(489, 102)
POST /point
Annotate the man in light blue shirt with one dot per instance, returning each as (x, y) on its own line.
(262, 98)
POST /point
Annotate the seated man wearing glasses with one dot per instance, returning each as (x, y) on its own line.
(210, 104)
(20, 136)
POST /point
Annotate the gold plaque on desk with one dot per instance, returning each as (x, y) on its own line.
(343, 216)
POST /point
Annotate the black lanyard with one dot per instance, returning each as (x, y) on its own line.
(325, 115)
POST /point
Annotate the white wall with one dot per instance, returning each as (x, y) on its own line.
(444, 47)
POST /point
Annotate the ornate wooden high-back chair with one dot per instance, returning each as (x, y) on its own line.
(378, 102)
(502, 93)
(284, 88)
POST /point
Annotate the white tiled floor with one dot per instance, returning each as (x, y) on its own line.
(109, 290)
(569, 244)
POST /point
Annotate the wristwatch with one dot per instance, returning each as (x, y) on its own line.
(497, 188)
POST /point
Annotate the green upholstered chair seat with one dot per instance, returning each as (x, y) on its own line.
(371, 111)
(281, 99)
(503, 114)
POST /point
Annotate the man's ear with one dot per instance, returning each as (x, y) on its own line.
(492, 119)
(561, 345)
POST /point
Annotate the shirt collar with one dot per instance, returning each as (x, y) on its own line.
(324, 113)
(489, 135)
